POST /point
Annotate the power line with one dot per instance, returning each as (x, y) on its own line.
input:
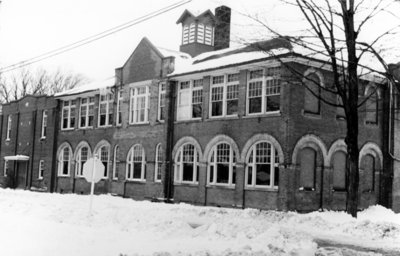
(92, 38)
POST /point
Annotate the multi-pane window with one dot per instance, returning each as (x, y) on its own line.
(187, 164)
(190, 99)
(119, 107)
(9, 124)
(44, 124)
(41, 169)
(116, 163)
(161, 101)
(68, 114)
(222, 166)
(262, 166)
(135, 168)
(5, 168)
(263, 90)
(64, 161)
(159, 162)
(82, 156)
(139, 105)
(86, 112)
(224, 95)
(106, 109)
(104, 156)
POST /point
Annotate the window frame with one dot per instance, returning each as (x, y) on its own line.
(108, 101)
(61, 160)
(162, 93)
(274, 166)
(116, 162)
(178, 166)
(190, 90)
(232, 166)
(89, 103)
(43, 132)
(130, 162)
(133, 111)
(70, 108)
(99, 156)
(120, 100)
(225, 84)
(78, 160)
(9, 124)
(264, 86)
(159, 161)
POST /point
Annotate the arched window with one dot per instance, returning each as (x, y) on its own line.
(308, 158)
(187, 164)
(222, 165)
(64, 161)
(339, 170)
(116, 162)
(135, 168)
(371, 105)
(159, 162)
(262, 166)
(103, 153)
(82, 156)
(312, 102)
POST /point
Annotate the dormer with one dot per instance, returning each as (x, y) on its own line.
(198, 32)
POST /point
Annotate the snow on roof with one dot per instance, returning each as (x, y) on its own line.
(93, 86)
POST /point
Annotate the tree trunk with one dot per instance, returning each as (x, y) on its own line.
(352, 173)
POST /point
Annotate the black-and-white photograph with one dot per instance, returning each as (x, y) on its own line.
(200, 128)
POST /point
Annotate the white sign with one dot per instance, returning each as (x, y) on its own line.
(93, 170)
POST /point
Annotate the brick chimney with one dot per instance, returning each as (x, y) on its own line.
(222, 27)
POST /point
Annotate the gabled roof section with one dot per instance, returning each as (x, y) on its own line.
(187, 14)
(147, 43)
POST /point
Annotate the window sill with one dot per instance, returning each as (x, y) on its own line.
(67, 129)
(306, 189)
(40, 178)
(268, 114)
(194, 120)
(85, 128)
(267, 189)
(8, 140)
(186, 184)
(42, 138)
(104, 126)
(139, 124)
(136, 181)
(220, 186)
(221, 118)
(63, 176)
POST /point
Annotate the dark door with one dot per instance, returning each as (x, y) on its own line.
(22, 168)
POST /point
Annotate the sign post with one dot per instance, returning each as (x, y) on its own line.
(93, 170)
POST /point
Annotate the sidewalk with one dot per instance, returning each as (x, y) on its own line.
(333, 248)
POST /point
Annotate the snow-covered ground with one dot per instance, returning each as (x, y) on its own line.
(54, 224)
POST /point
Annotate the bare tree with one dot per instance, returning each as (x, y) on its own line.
(333, 35)
(37, 82)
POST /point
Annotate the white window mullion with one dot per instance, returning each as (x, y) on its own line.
(263, 94)
(253, 169)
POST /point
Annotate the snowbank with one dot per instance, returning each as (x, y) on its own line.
(55, 224)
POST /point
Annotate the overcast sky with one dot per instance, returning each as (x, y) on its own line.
(29, 28)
